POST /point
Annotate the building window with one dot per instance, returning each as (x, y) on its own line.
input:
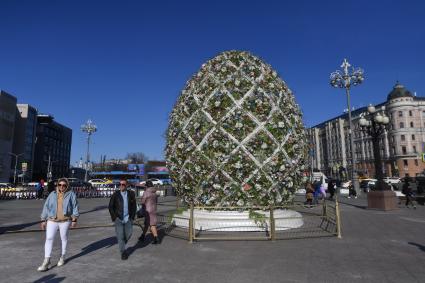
(416, 162)
(405, 163)
(413, 137)
(401, 125)
(411, 124)
(400, 113)
(423, 114)
(403, 150)
(403, 138)
(414, 149)
(394, 150)
(410, 113)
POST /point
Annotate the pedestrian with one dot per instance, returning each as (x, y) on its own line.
(323, 191)
(407, 191)
(331, 189)
(40, 189)
(60, 211)
(316, 186)
(149, 200)
(122, 208)
(351, 191)
(309, 192)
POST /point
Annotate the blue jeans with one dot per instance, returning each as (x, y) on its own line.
(123, 232)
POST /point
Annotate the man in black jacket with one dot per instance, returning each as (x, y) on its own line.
(122, 207)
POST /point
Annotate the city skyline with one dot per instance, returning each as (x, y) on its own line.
(123, 65)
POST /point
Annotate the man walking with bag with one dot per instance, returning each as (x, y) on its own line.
(122, 208)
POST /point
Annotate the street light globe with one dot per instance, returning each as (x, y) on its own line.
(371, 109)
(379, 118)
(363, 122)
(385, 120)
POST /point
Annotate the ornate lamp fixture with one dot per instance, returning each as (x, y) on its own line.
(346, 78)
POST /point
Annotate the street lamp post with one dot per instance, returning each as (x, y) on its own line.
(346, 78)
(374, 124)
(89, 127)
(16, 165)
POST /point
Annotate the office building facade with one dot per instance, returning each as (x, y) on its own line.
(7, 127)
(24, 139)
(401, 145)
(52, 149)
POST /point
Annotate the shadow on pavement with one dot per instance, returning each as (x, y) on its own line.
(351, 204)
(421, 247)
(22, 226)
(17, 227)
(105, 243)
(148, 240)
(51, 278)
(100, 207)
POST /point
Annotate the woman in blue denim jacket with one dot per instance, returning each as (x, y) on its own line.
(60, 211)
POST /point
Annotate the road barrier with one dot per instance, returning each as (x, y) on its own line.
(98, 191)
(273, 223)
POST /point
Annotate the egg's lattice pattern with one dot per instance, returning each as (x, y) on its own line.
(240, 141)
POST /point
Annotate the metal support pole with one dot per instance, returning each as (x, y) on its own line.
(16, 165)
(87, 157)
(191, 224)
(272, 225)
(338, 218)
(325, 210)
(353, 154)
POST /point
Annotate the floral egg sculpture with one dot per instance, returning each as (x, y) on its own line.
(236, 136)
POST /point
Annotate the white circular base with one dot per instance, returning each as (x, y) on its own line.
(221, 220)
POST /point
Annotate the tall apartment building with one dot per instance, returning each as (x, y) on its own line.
(7, 127)
(401, 145)
(52, 149)
(24, 138)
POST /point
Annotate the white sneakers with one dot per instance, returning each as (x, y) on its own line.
(45, 265)
(61, 261)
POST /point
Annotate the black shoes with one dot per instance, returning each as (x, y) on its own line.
(124, 255)
(142, 238)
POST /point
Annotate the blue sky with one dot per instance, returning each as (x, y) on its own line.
(123, 63)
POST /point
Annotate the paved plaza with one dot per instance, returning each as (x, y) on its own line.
(376, 247)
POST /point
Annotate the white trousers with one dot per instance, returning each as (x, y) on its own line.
(51, 229)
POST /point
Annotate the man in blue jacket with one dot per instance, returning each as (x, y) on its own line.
(122, 208)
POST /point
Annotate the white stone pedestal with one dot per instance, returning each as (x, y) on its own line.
(221, 220)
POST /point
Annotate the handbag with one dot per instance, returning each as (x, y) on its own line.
(141, 211)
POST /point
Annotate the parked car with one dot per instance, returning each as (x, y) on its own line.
(392, 180)
(75, 182)
(367, 184)
(96, 182)
(6, 187)
(156, 182)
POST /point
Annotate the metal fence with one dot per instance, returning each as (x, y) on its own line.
(321, 220)
(99, 191)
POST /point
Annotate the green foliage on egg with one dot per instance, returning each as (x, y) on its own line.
(236, 136)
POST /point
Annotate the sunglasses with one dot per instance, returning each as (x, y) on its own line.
(62, 185)
(123, 184)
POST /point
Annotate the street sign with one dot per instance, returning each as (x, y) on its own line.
(24, 166)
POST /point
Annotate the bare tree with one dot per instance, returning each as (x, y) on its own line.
(137, 157)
